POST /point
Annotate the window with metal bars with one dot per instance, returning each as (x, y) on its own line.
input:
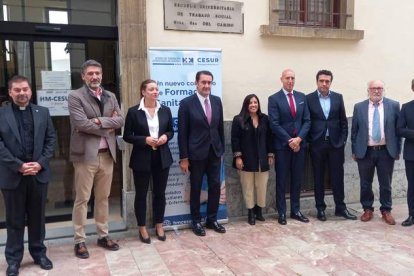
(311, 13)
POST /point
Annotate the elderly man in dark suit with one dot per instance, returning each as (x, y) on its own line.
(94, 116)
(290, 122)
(201, 145)
(405, 128)
(327, 137)
(27, 142)
(375, 145)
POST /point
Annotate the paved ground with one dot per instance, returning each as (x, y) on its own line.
(334, 247)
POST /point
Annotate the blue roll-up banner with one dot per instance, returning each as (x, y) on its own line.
(175, 70)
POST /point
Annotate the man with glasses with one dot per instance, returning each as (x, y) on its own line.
(375, 145)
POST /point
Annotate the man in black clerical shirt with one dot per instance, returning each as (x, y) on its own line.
(27, 142)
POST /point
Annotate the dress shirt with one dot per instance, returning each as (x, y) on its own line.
(103, 144)
(371, 109)
(287, 97)
(25, 124)
(153, 122)
(202, 99)
(325, 102)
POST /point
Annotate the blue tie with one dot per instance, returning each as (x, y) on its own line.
(376, 129)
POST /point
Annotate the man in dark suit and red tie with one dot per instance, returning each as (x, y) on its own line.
(327, 137)
(290, 122)
(405, 128)
(376, 146)
(201, 145)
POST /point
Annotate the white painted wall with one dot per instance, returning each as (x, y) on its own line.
(252, 63)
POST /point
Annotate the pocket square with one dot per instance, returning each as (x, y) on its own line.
(301, 102)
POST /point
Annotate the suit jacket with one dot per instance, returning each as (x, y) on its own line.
(359, 130)
(85, 134)
(195, 135)
(405, 128)
(135, 132)
(336, 123)
(254, 144)
(282, 122)
(11, 148)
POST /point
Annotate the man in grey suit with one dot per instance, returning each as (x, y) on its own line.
(405, 128)
(94, 117)
(27, 142)
(375, 145)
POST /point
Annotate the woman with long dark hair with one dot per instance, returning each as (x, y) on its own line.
(148, 127)
(253, 155)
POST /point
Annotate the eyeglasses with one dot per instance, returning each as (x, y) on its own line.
(379, 89)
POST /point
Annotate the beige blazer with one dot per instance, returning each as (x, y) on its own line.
(85, 134)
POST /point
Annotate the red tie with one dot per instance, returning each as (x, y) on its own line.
(292, 105)
(208, 110)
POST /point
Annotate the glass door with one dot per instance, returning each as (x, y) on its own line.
(14, 59)
(53, 66)
(56, 73)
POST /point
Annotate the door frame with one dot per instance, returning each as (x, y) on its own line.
(43, 32)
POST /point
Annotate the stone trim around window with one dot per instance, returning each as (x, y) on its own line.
(347, 33)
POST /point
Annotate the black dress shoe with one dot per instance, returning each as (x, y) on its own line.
(251, 218)
(282, 219)
(321, 215)
(107, 243)
(81, 251)
(345, 214)
(299, 216)
(44, 263)
(258, 212)
(145, 240)
(198, 229)
(13, 270)
(161, 238)
(408, 222)
(216, 226)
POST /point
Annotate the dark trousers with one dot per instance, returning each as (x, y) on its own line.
(289, 163)
(384, 163)
(25, 205)
(409, 172)
(210, 167)
(159, 183)
(325, 155)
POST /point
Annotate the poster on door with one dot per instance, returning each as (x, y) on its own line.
(175, 70)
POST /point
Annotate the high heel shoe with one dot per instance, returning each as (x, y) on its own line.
(161, 238)
(146, 240)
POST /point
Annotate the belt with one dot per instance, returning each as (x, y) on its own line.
(380, 147)
(103, 150)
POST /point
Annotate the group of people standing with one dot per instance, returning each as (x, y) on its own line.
(318, 120)
(281, 138)
(149, 127)
(259, 141)
(27, 143)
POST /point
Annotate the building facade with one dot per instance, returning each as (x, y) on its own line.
(356, 40)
